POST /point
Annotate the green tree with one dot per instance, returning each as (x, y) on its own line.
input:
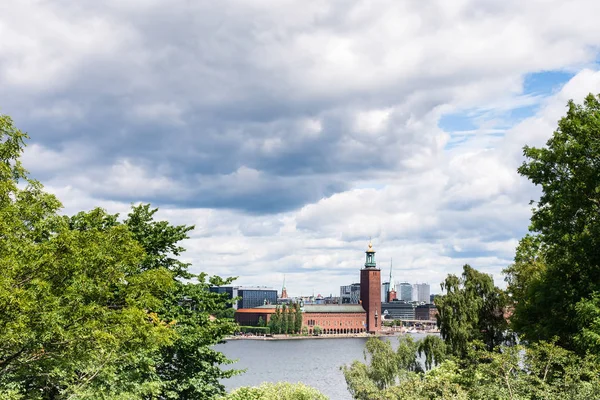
(276, 391)
(275, 321)
(285, 320)
(78, 317)
(92, 307)
(317, 330)
(298, 319)
(190, 367)
(565, 219)
(472, 309)
(434, 350)
(291, 320)
(383, 369)
(540, 371)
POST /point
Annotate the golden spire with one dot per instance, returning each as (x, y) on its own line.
(370, 249)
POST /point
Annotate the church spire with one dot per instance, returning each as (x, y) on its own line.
(284, 294)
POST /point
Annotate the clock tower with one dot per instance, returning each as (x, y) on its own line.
(370, 291)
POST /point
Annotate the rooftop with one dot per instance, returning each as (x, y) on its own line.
(334, 308)
(310, 308)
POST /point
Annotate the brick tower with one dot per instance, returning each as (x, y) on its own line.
(370, 291)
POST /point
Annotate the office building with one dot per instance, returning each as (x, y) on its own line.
(420, 293)
(404, 291)
(249, 296)
(350, 294)
(385, 288)
(426, 312)
(398, 310)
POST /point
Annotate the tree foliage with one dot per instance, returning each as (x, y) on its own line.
(564, 262)
(276, 391)
(472, 309)
(542, 371)
(91, 307)
(384, 367)
(298, 318)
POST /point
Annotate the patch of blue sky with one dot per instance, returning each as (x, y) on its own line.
(469, 253)
(546, 82)
(467, 125)
(458, 122)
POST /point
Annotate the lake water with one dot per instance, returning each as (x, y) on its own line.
(313, 362)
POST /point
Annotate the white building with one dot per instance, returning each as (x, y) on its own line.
(421, 292)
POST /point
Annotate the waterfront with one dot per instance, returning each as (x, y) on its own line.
(313, 362)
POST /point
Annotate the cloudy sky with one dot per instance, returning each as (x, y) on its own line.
(289, 132)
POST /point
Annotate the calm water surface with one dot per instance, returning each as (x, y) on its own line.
(313, 362)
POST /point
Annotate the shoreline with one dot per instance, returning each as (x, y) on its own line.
(329, 336)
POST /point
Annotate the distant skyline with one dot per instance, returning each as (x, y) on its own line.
(289, 132)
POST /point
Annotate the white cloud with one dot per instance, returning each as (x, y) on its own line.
(321, 119)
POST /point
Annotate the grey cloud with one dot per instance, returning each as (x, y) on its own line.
(199, 90)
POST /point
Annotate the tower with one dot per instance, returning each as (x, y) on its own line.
(370, 291)
(284, 294)
(391, 294)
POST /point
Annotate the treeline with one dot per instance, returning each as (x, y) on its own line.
(286, 320)
(540, 338)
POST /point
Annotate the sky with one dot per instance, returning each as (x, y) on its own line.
(291, 132)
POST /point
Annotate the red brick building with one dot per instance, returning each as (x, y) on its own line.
(252, 316)
(335, 318)
(331, 318)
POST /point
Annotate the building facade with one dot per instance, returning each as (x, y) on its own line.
(398, 310)
(231, 292)
(256, 296)
(249, 296)
(404, 291)
(426, 312)
(421, 292)
(331, 319)
(370, 291)
(335, 319)
(252, 316)
(350, 294)
(385, 288)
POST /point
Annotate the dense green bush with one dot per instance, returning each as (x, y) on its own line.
(276, 391)
(258, 330)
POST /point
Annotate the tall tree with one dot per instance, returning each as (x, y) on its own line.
(566, 222)
(92, 307)
(274, 321)
(472, 309)
(284, 320)
(77, 316)
(298, 318)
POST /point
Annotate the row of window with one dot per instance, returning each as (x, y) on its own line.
(312, 322)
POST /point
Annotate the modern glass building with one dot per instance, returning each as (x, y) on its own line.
(404, 291)
(256, 296)
(421, 292)
(398, 310)
(350, 294)
(250, 296)
(385, 288)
